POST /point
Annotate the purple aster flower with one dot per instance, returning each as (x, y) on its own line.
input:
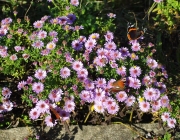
(29, 80)
(38, 24)
(161, 86)
(109, 36)
(144, 106)
(3, 32)
(68, 57)
(121, 71)
(53, 34)
(113, 64)
(21, 85)
(65, 72)
(40, 74)
(165, 116)
(110, 45)
(42, 106)
(6, 21)
(3, 51)
(71, 18)
(13, 57)
(77, 65)
(94, 36)
(69, 106)
(171, 122)
(87, 96)
(77, 45)
(74, 2)
(64, 115)
(158, 1)
(37, 87)
(121, 96)
(62, 20)
(135, 71)
(135, 47)
(90, 44)
(6, 92)
(152, 63)
(45, 52)
(55, 95)
(100, 82)
(42, 34)
(34, 114)
(38, 44)
(124, 52)
(146, 80)
(130, 101)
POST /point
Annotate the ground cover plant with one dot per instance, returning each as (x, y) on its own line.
(70, 66)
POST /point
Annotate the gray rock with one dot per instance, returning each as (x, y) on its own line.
(100, 132)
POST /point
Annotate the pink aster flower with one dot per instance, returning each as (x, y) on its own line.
(21, 85)
(130, 101)
(135, 71)
(42, 34)
(29, 80)
(25, 56)
(94, 36)
(134, 83)
(165, 116)
(82, 72)
(90, 44)
(34, 114)
(49, 122)
(158, 1)
(144, 106)
(50, 46)
(108, 102)
(102, 51)
(171, 122)
(38, 87)
(111, 15)
(121, 71)
(74, 2)
(65, 72)
(42, 106)
(110, 45)
(99, 93)
(135, 47)
(146, 80)
(69, 106)
(152, 63)
(121, 96)
(38, 24)
(98, 107)
(101, 60)
(156, 105)
(40, 74)
(6, 92)
(113, 109)
(87, 96)
(89, 85)
(149, 94)
(38, 44)
(13, 57)
(17, 48)
(109, 36)
(55, 95)
(45, 52)
(82, 39)
(165, 101)
(152, 74)
(100, 82)
(77, 65)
